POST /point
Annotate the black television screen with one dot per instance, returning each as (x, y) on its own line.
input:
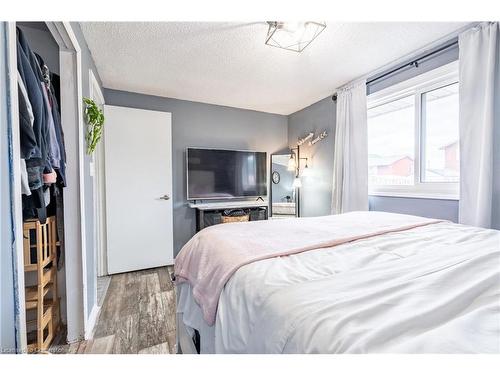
(223, 174)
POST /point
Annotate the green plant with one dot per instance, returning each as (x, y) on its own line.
(95, 121)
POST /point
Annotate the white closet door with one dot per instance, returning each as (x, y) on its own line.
(138, 162)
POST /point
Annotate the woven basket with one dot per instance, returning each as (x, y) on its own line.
(234, 219)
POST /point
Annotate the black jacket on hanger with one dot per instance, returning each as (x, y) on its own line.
(36, 162)
(60, 135)
(34, 205)
(29, 146)
(56, 118)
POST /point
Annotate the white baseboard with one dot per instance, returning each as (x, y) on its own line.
(91, 321)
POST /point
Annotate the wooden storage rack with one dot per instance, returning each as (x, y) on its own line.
(40, 256)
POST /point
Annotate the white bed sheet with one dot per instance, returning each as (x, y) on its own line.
(433, 289)
(192, 317)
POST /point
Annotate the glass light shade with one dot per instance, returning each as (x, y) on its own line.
(297, 183)
(293, 36)
(306, 171)
(291, 163)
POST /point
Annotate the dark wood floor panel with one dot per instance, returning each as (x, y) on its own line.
(137, 316)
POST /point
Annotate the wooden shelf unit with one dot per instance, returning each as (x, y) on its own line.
(40, 257)
(211, 213)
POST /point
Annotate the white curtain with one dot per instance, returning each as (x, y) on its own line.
(350, 163)
(479, 60)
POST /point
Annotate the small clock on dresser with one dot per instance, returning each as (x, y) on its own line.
(276, 177)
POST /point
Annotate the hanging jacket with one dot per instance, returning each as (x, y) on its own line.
(47, 113)
(29, 146)
(34, 204)
(44, 115)
(27, 136)
(35, 163)
(56, 115)
(53, 152)
(57, 155)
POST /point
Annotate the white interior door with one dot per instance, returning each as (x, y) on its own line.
(138, 157)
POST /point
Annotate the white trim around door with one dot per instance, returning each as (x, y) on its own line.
(15, 181)
(70, 61)
(99, 245)
(98, 171)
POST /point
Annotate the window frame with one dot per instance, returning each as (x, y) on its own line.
(437, 78)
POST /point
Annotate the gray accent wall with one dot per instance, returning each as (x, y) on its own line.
(205, 125)
(316, 191)
(446, 209)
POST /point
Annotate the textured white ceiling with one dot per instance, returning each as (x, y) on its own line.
(229, 64)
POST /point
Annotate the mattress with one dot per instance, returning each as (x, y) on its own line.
(431, 289)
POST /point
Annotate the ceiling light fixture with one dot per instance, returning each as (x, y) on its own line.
(293, 36)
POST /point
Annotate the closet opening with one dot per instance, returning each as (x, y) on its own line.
(49, 185)
(43, 178)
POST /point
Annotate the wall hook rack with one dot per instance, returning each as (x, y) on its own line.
(301, 141)
(323, 135)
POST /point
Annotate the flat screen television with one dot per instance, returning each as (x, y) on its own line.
(225, 174)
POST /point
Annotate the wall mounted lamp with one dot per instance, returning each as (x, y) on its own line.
(294, 161)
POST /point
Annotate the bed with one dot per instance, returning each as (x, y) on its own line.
(362, 282)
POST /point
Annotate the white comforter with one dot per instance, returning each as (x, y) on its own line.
(433, 289)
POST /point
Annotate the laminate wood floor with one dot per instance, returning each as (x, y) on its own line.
(137, 316)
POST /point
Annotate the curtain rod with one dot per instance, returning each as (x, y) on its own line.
(412, 63)
(415, 62)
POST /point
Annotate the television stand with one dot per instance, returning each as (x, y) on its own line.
(211, 213)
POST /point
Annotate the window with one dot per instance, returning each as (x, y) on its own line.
(390, 162)
(413, 137)
(439, 155)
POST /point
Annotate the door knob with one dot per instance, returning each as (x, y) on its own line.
(165, 197)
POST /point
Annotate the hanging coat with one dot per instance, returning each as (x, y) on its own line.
(59, 133)
(34, 204)
(34, 163)
(29, 146)
(27, 136)
(53, 120)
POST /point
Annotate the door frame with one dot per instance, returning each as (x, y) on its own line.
(70, 61)
(96, 172)
(16, 201)
(99, 187)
